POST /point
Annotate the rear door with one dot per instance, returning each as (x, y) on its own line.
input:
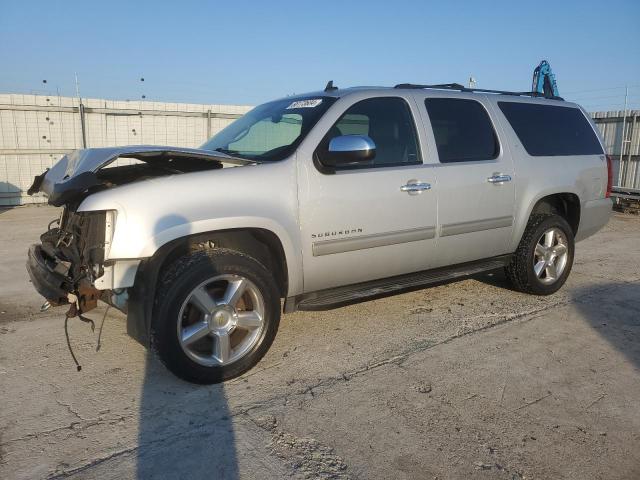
(475, 178)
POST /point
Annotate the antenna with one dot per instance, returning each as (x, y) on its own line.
(330, 87)
(77, 87)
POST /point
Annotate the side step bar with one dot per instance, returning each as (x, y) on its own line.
(340, 296)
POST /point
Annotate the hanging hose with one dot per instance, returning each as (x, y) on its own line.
(66, 333)
(73, 312)
(100, 331)
(87, 320)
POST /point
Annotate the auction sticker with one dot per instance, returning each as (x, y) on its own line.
(313, 102)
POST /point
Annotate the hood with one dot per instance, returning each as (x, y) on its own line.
(79, 171)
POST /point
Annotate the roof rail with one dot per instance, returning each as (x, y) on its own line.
(462, 88)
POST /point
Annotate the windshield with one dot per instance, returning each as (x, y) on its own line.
(271, 131)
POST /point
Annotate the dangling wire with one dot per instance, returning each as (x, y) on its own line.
(66, 333)
(100, 331)
(87, 320)
(73, 312)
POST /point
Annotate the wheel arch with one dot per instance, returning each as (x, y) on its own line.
(565, 203)
(262, 244)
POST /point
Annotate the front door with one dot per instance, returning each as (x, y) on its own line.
(368, 222)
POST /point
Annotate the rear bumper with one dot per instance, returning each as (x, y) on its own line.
(594, 215)
(47, 277)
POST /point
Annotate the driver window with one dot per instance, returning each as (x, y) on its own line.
(388, 122)
(268, 134)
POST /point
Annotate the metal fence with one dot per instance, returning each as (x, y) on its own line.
(621, 134)
(36, 130)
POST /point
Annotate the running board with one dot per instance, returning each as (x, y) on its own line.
(340, 296)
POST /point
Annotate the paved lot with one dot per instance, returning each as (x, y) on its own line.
(466, 380)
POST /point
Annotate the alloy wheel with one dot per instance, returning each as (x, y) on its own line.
(550, 256)
(221, 320)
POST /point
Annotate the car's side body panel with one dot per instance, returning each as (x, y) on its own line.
(155, 212)
(475, 217)
(358, 225)
(595, 215)
(537, 177)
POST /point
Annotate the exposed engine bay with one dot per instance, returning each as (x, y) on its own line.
(91, 170)
(69, 259)
(151, 168)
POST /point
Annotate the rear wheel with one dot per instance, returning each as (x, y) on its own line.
(217, 314)
(544, 258)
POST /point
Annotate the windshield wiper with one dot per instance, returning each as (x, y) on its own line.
(226, 151)
(234, 154)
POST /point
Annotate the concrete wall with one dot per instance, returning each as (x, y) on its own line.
(36, 130)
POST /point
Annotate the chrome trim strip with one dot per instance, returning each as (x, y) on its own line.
(475, 226)
(362, 242)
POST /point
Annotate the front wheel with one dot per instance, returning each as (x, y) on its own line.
(217, 313)
(544, 258)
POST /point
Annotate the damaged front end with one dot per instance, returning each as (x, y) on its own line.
(82, 258)
(85, 255)
(71, 256)
(91, 170)
(71, 264)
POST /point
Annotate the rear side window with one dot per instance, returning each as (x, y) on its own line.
(462, 129)
(550, 130)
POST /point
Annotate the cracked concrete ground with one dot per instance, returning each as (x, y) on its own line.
(465, 380)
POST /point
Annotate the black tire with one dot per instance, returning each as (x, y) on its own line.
(520, 271)
(178, 281)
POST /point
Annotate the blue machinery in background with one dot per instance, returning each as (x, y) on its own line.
(544, 81)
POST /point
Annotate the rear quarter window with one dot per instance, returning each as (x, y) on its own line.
(550, 130)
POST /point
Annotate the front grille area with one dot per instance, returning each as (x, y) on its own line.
(87, 231)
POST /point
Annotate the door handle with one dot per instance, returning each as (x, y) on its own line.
(415, 187)
(499, 179)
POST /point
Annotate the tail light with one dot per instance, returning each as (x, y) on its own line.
(609, 176)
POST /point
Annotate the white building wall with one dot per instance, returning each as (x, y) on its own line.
(36, 130)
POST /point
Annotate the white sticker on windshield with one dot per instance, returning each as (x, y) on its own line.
(314, 102)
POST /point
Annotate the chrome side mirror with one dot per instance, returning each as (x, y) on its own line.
(348, 150)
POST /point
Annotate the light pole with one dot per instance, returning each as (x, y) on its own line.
(622, 140)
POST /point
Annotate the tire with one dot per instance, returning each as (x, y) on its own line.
(231, 338)
(524, 271)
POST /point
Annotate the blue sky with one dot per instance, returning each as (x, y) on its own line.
(249, 52)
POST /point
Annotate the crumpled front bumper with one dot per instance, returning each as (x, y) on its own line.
(47, 275)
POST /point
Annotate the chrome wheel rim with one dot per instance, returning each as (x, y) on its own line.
(550, 256)
(221, 320)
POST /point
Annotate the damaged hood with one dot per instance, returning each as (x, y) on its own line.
(77, 171)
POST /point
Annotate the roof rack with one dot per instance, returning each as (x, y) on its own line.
(462, 88)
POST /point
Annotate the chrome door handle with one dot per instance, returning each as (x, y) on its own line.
(415, 187)
(499, 178)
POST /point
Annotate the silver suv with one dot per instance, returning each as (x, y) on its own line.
(321, 200)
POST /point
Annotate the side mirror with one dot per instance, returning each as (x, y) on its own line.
(348, 150)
